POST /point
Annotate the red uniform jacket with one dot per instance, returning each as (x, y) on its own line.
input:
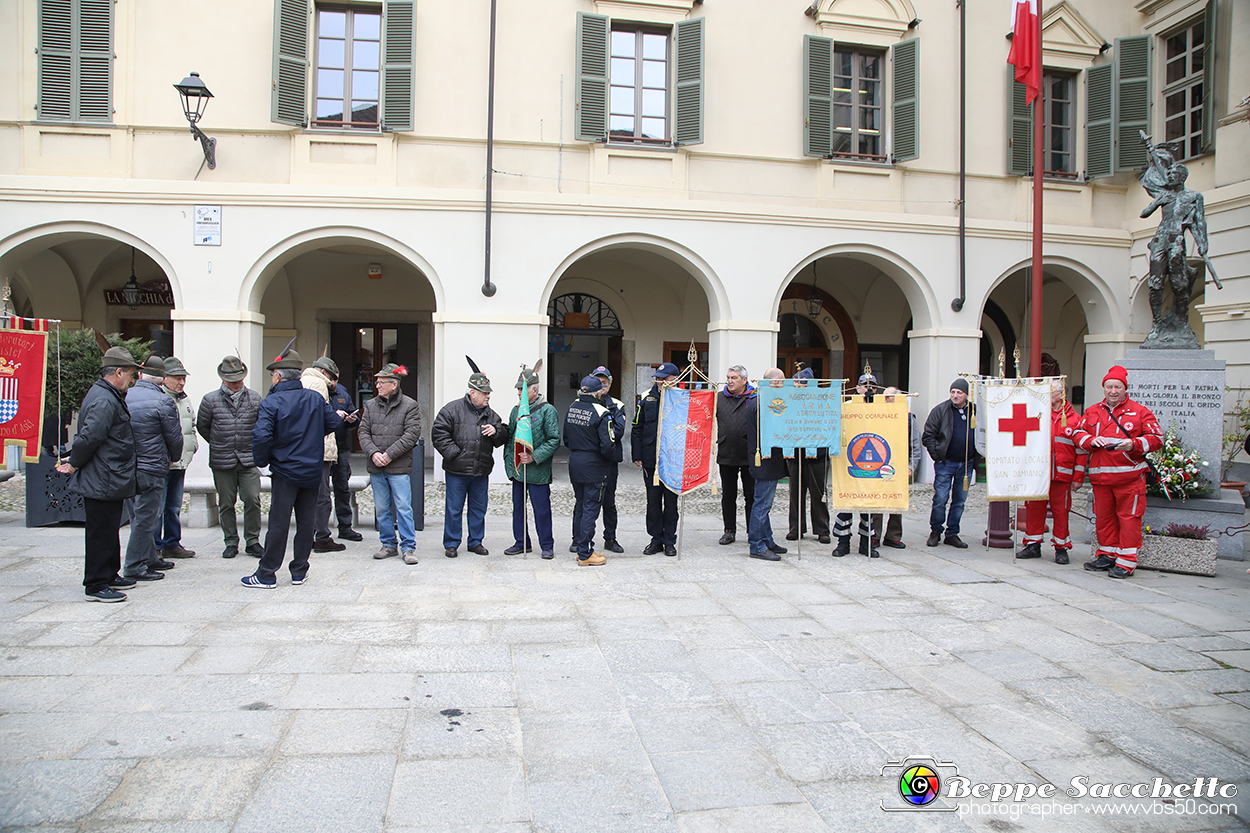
(1067, 463)
(1108, 467)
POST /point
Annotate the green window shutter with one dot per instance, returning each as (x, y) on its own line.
(1132, 101)
(817, 96)
(689, 86)
(289, 103)
(56, 49)
(1098, 144)
(399, 58)
(95, 61)
(1020, 154)
(905, 91)
(591, 120)
(1208, 78)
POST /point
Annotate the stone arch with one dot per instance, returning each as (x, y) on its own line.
(1103, 316)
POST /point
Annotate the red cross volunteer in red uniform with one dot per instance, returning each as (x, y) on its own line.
(1067, 472)
(1118, 433)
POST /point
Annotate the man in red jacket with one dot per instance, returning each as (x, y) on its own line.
(1067, 472)
(1118, 433)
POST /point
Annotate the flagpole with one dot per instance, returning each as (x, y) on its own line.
(1039, 134)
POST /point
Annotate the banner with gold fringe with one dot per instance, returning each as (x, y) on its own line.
(23, 357)
(872, 472)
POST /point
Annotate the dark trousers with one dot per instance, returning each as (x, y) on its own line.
(815, 470)
(609, 505)
(661, 511)
(540, 501)
(867, 525)
(103, 546)
(589, 497)
(169, 529)
(325, 495)
(285, 496)
(893, 527)
(340, 477)
(729, 476)
(145, 516)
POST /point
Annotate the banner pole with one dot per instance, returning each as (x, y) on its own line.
(681, 523)
(802, 504)
(525, 509)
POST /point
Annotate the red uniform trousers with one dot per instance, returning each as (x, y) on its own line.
(1119, 510)
(1035, 517)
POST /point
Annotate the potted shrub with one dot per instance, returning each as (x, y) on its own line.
(1176, 548)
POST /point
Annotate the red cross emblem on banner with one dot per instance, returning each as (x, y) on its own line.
(1020, 424)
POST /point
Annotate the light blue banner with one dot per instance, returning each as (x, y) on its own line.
(801, 415)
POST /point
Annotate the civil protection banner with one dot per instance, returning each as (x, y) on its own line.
(1016, 414)
(801, 414)
(686, 440)
(22, 365)
(872, 473)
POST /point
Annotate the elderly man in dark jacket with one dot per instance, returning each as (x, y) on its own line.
(101, 466)
(466, 433)
(225, 420)
(289, 437)
(735, 418)
(948, 439)
(390, 425)
(158, 441)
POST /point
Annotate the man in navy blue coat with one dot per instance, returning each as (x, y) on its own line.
(590, 433)
(289, 437)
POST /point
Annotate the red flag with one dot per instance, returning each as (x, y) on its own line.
(22, 357)
(1024, 54)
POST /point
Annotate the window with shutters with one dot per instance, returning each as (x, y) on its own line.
(1183, 88)
(857, 104)
(75, 44)
(1059, 107)
(347, 67)
(638, 85)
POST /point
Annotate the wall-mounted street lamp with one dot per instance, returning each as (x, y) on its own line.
(195, 98)
(131, 289)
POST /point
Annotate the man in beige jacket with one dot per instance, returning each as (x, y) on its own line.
(322, 375)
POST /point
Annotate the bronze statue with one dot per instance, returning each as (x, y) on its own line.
(1164, 181)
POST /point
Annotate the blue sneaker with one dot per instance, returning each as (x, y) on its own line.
(299, 579)
(254, 581)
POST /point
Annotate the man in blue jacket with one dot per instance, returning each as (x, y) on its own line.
(289, 437)
(590, 434)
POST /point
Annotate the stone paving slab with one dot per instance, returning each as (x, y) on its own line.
(707, 693)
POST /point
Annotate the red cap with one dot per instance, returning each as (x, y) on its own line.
(1117, 372)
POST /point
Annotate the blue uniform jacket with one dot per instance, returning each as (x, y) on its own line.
(589, 432)
(341, 400)
(290, 431)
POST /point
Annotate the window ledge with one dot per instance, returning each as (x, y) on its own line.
(879, 167)
(642, 149)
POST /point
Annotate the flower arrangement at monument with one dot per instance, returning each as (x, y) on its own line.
(1182, 472)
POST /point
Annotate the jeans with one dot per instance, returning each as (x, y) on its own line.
(286, 496)
(459, 487)
(729, 476)
(590, 498)
(169, 528)
(240, 483)
(103, 549)
(145, 515)
(540, 500)
(392, 504)
(948, 482)
(759, 526)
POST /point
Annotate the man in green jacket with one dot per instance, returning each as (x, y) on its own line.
(532, 469)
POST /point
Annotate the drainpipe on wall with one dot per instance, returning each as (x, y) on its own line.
(488, 288)
(958, 303)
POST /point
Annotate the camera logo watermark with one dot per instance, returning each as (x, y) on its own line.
(919, 781)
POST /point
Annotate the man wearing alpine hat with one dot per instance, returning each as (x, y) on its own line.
(390, 426)
(1118, 433)
(289, 437)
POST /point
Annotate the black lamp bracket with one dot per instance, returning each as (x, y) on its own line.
(209, 145)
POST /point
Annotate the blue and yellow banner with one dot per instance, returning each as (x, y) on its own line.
(803, 414)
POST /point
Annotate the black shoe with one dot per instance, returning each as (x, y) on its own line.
(573, 547)
(824, 539)
(843, 548)
(255, 550)
(670, 550)
(108, 594)
(954, 541)
(350, 534)
(162, 565)
(792, 536)
(897, 545)
(548, 554)
(450, 552)
(516, 549)
(146, 575)
(328, 545)
(479, 550)
(727, 538)
(229, 552)
(1061, 556)
(119, 583)
(1030, 551)
(1119, 572)
(867, 547)
(612, 545)
(1102, 562)
(766, 555)
(935, 538)
(777, 549)
(652, 548)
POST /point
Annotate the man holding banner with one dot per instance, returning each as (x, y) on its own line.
(808, 476)
(533, 439)
(1067, 471)
(766, 470)
(644, 440)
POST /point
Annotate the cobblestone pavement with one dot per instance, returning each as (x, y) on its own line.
(710, 692)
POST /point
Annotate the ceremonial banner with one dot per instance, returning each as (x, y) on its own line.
(1016, 415)
(524, 438)
(686, 442)
(872, 473)
(22, 356)
(801, 415)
